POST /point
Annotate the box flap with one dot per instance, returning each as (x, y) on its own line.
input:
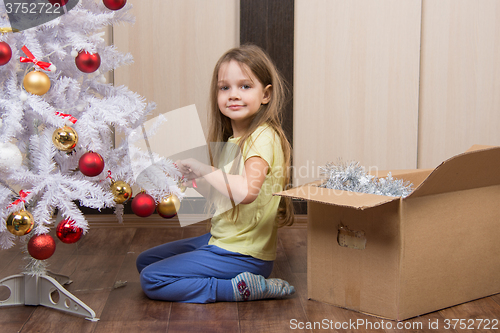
(313, 192)
(478, 167)
(478, 147)
(414, 176)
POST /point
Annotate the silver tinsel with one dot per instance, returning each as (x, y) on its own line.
(35, 267)
(353, 177)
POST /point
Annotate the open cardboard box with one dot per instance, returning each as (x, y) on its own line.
(398, 258)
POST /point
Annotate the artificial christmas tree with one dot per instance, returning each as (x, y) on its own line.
(56, 112)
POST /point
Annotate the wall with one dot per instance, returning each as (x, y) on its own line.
(356, 84)
(175, 45)
(459, 79)
(394, 84)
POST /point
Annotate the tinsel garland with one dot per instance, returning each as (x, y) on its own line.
(353, 177)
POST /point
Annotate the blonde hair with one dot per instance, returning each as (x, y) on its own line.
(261, 66)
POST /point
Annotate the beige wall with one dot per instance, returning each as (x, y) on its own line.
(460, 78)
(356, 84)
(392, 84)
(175, 45)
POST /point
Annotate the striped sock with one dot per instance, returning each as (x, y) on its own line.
(249, 287)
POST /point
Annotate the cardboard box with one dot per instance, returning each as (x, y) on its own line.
(399, 258)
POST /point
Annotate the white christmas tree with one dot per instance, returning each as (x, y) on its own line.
(58, 120)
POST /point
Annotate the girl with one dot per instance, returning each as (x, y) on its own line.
(232, 262)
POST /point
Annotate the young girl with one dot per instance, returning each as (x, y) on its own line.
(232, 262)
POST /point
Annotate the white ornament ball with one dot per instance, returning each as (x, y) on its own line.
(102, 79)
(23, 96)
(80, 107)
(74, 53)
(10, 157)
(52, 68)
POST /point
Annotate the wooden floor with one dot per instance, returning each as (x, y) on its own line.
(107, 254)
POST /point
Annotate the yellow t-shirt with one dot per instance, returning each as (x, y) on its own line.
(254, 232)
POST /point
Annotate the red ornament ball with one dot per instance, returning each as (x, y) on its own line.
(67, 232)
(143, 205)
(41, 247)
(114, 4)
(91, 164)
(5, 53)
(59, 2)
(88, 62)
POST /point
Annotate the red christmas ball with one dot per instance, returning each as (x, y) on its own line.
(143, 205)
(5, 53)
(114, 4)
(87, 62)
(41, 247)
(91, 164)
(59, 2)
(67, 232)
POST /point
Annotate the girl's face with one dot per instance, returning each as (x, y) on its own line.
(240, 95)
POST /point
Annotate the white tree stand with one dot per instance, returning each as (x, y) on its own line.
(26, 289)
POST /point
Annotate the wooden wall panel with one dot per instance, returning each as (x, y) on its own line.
(175, 45)
(269, 24)
(392, 84)
(356, 84)
(460, 78)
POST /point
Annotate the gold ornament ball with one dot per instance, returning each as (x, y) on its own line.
(37, 83)
(168, 206)
(20, 223)
(122, 191)
(65, 138)
(181, 186)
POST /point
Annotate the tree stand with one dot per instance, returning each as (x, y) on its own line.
(27, 289)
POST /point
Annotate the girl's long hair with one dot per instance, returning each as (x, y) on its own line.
(261, 66)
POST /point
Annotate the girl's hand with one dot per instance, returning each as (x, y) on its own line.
(191, 168)
(241, 188)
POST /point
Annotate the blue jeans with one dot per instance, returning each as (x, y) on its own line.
(189, 270)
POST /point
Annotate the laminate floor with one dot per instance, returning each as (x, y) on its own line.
(107, 255)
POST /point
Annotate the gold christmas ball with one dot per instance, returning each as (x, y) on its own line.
(168, 206)
(122, 191)
(36, 82)
(65, 138)
(181, 186)
(20, 223)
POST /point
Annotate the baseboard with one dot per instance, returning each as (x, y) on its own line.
(156, 221)
(105, 218)
(189, 205)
